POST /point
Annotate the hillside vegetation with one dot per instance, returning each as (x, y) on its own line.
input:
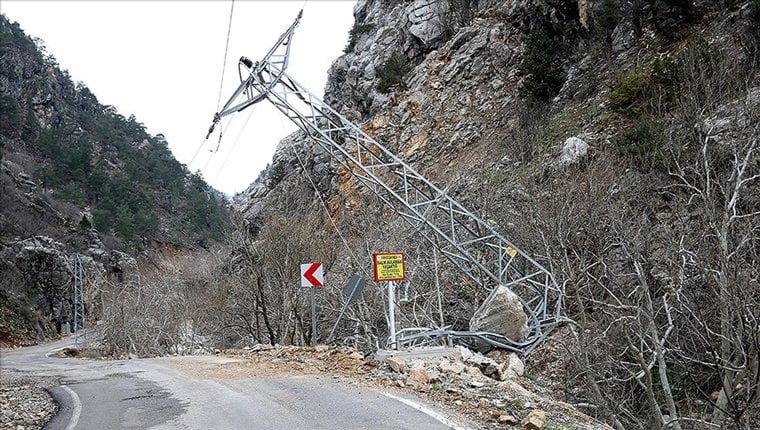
(80, 155)
(78, 178)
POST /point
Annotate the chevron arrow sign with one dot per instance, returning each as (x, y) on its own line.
(312, 275)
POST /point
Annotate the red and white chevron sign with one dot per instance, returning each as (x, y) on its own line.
(312, 275)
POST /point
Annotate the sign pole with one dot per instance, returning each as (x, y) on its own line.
(313, 277)
(313, 316)
(389, 267)
(392, 313)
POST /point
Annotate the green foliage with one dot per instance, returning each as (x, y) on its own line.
(205, 212)
(754, 16)
(391, 73)
(124, 199)
(641, 144)
(71, 193)
(69, 157)
(541, 67)
(631, 91)
(607, 18)
(355, 33)
(278, 172)
(639, 91)
(95, 156)
(10, 116)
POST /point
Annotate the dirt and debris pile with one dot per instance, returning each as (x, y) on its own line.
(490, 389)
(306, 360)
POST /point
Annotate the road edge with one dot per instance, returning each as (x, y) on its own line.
(69, 408)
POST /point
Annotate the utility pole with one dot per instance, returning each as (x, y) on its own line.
(78, 297)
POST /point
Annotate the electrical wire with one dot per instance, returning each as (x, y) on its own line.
(213, 152)
(226, 48)
(219, 98)
(232, 148)
(327, 211)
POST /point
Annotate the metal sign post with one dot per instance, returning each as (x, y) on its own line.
(389, 267)
(392, 313)
(313, 277)
(352, 291)
(313, 316)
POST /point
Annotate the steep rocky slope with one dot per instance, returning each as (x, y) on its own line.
(76, 177)
(617, 141)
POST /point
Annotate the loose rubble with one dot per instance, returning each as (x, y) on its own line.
(489, 390)
(24, 403)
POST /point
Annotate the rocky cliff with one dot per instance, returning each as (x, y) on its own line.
(615, 140)
(76, 177)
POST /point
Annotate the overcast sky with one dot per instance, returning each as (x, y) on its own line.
(162, 61)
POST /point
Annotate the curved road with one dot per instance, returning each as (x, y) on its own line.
(153, 393)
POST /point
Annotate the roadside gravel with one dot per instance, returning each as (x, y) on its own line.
(24, 402)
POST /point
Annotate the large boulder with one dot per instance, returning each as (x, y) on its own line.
(501, 313)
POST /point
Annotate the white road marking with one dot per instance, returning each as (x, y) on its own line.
(427, 411)
(77, 408)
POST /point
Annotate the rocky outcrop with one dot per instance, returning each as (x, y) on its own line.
(36, 285)
(427, 20)
(37, 275)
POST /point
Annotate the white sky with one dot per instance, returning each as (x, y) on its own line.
(162, 61)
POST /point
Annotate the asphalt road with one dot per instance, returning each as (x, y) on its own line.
(153, 393)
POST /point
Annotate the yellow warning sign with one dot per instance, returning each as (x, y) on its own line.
(511, 251)
(389, 266)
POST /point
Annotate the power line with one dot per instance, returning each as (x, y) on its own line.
(232, 148)
(224, 64)
(327, 211)
(221, 83)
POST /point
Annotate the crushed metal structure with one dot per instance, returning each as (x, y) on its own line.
(470, 243)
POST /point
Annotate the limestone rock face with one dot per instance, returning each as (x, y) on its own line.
(36, 274)
(426, 17)
(501, 313)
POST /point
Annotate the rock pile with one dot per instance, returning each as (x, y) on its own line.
(24, 403)
(489, 388)
(461, 364)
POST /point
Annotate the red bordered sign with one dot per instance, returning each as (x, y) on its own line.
(389, 266)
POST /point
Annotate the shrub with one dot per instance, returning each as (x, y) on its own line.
(391, 73)
(631, 92)
(71, 193)
(754, 15)
(540, 66)
(10, 115)
(355, 33)
(641, 144)
(607, 18)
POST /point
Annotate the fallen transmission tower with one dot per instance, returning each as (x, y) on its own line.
(470, 243)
